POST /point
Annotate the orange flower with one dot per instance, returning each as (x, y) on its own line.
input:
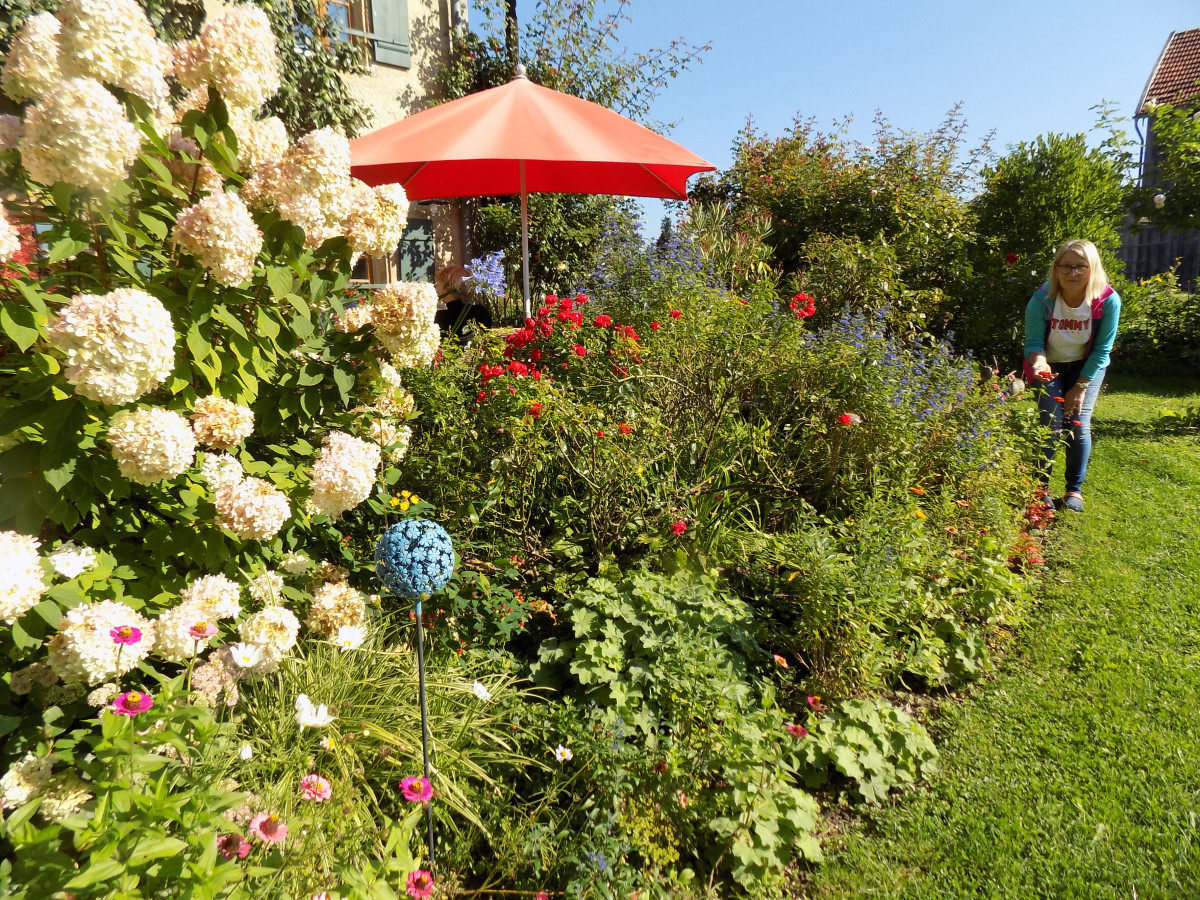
(917, 489)
(779, 659)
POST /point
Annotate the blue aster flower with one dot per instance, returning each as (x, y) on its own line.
(414, 557)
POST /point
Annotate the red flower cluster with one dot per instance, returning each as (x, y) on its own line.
(1011, 259)
(602, 321)
(679, 527)
(675, 314)
(23, 256)
(535, 409)
(1039, 515)
(1026, 552)
(803, 306)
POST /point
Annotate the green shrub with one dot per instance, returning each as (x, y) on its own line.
(871, 744)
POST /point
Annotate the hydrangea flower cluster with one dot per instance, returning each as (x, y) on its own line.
(78, 133)
(220, 232)
(65, 795)
(12, 130)
(294, 563)
(259, 141)
(83, 650)
(221, 423)
(387, 434)
(267, 588)
(118, 345)
(252, 509)
(273, 630)
(21, 584)
(31, 68)
(112, 41)
(25, 780)
(71, 559)
(377, 218)
(309, 185)
(220, 469)
(344, 473)
(335, 605)
(213, 597)
(415, 557)
(10, 238)
(174, 632)
(404, 314)
(236, 54)
(355, 317)
(152, 445)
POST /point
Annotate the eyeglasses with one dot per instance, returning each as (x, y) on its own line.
(1069, 270)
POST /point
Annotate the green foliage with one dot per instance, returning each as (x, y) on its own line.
(639, 645)
(1037, 196)
(1160, 324)
(1175, 171)
(154, 814)
(312, 60)
(872, 744)
(835, 203)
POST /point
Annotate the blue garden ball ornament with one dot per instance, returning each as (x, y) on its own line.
(415, 557)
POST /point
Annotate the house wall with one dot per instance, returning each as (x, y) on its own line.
(390, 93)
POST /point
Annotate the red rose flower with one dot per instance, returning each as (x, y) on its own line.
(579, 349)
(535, 409)
(624, 428)
(1011, 258)
(679, 527)
(675, 314)
(654, 326)
(602, 321)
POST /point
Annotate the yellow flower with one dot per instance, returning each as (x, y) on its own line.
(404, 505)
(395, 501)
(919, 514)
(414, 498)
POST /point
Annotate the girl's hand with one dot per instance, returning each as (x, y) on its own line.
(1073, 402)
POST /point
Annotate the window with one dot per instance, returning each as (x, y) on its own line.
(415, 256)
(381, 25)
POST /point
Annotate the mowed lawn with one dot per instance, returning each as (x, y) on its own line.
(1075, 772)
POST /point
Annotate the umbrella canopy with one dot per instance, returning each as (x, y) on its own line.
(521, 138)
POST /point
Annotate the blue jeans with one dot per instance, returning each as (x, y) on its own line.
(1079, 435)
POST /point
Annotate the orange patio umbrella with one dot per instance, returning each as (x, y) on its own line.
(521, 138)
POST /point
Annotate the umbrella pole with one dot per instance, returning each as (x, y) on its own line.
(525, 242)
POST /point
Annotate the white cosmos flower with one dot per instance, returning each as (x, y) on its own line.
(246, 752)
(562, 754)
(349, 637)
(309, 716)
(246, 656)
(481, 692)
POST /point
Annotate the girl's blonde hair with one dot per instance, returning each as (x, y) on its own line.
(1099, 278)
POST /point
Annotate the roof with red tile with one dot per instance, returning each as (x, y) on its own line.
(1176, 76)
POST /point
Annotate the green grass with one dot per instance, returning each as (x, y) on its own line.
(1075, 772)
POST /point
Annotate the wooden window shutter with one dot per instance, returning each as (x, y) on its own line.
(416, 251)
(389, 25)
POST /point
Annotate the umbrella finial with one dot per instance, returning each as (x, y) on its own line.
(519, 71)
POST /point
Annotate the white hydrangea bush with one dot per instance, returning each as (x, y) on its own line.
(178, 341)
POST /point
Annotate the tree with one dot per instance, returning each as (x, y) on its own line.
(1037, 196)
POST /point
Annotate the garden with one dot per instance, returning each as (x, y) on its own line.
(666, 576)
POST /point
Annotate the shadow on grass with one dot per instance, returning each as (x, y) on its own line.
(1167, 426)
(1167, 385)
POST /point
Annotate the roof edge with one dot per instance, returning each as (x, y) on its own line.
(1141, 106)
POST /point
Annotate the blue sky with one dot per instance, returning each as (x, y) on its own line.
(1020, 67)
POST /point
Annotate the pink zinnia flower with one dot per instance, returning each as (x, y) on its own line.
(202, 631)
(420, 884)
(816, 704)
(316, 788)
(679, 527)
(416, 790)
(131, 703)
(798, 731)
(268, 828)
(233, 846)
(126, 634)
(541, 895)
